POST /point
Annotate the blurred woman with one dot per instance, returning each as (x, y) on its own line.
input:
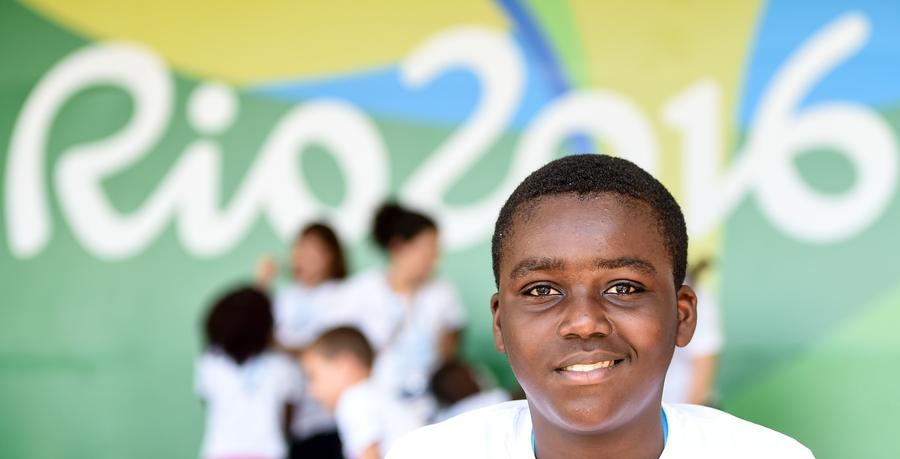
(412, 320)
(303, 304)
(304, 308)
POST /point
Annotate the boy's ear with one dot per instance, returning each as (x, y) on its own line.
(687, 315)
(495, 323)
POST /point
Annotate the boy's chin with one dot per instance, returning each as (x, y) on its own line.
(585, 416)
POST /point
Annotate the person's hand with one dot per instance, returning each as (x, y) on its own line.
(266, 270)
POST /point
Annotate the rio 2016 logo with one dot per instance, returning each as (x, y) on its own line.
(190, 193)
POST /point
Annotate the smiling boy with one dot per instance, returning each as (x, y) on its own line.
(589, 257)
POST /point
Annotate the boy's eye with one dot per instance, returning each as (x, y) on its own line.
(623, 289)
(542, 290)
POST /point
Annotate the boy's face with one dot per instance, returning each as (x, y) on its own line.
(587, 311)
(329, 377)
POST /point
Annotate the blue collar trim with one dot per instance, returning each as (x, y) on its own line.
(665, 426)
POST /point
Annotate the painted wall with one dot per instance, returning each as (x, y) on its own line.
(151, 152)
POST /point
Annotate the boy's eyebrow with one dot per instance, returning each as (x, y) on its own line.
(554, 264)
(626, 262)
(536, 264)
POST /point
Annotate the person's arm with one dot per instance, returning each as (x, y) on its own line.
(452, 321)
(359, 422)
(202, 379)
(286, 417)
(265, 273)
(703, 378)
(704, 351)
(448, 345)
(371, 452)
(294, 352)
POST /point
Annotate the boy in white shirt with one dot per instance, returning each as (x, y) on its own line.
(338, 365)
(589, 256)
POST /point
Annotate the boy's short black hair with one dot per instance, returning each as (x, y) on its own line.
(344, 340)
(240, 324)
(587, 175)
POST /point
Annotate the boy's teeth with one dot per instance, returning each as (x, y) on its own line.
(589, 367)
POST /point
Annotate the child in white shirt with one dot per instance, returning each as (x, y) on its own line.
(246, 386)
(338, 365)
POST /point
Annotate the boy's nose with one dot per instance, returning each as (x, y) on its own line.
(584, 317)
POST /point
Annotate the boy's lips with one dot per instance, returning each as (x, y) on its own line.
(585, 369)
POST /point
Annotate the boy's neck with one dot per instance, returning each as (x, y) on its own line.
(642, 438)
(359, 375)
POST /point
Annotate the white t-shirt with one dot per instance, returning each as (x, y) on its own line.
(366, 416)
(707, 340)
(504, 431)
(403, 331)
(301, 314)
(245, 403)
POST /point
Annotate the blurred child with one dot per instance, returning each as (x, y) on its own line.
(412, 320)
(692, 374)
(457, 390)
(245, 385)
(304, 308)
(369, 421)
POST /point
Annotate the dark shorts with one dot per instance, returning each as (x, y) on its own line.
(321, 446)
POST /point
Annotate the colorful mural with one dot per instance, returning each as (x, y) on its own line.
(152, 151)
